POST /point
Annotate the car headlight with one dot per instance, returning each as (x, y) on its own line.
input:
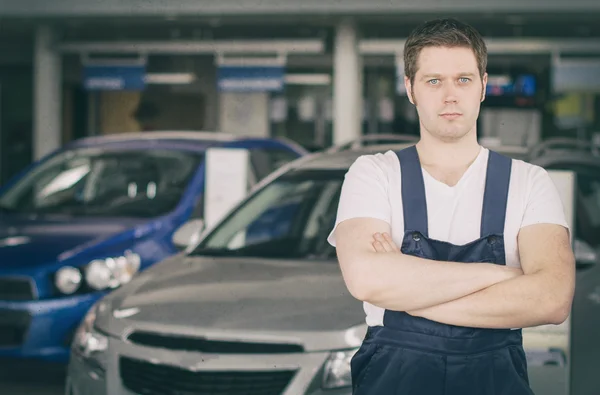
(112, 272)
(68, 280)
(337, 370)
(99, 274)
(90, 344)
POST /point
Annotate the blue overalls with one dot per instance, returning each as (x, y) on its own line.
(415, 356)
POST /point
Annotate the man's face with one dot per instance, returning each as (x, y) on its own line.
(447, 91)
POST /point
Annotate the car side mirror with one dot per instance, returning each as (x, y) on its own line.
(585, 256)
(188, 233)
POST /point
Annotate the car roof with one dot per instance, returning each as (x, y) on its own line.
(189, 136)
(343, 159)
(197, 140)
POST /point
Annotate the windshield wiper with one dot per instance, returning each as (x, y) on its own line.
(283, 248)
(215, 252)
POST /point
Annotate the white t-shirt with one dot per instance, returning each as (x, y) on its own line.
(372, 188)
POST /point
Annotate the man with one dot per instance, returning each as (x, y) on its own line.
(485, 248)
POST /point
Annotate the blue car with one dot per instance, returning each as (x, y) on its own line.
(86, 218)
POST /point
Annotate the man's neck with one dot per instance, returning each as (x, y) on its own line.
(444, 154)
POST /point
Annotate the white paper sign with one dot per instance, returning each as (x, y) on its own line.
(386, 109)
(278, 109)
(307, 107)
(400, 87)
(226, 182)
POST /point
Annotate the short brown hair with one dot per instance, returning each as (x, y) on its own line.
(446, 32)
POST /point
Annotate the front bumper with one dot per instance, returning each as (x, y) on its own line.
(82, 378)
(46, 335)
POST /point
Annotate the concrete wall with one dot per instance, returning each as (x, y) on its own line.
(245, 114)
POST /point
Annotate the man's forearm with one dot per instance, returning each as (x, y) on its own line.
(401, 282)
(526, 301)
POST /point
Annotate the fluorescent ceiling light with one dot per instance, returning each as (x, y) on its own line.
(308, 79)
(275, 61)
(170, 78)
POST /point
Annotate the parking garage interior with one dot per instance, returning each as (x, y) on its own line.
(301, 111)
(522, 107)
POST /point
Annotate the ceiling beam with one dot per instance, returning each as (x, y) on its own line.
(496, 46)
(195, 47)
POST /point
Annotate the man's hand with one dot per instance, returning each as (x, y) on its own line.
(401, 282)
(383, 242)
(541, 296)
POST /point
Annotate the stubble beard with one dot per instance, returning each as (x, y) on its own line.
(439, 133)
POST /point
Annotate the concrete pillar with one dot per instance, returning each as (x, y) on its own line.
(347, 84)
(47, 86)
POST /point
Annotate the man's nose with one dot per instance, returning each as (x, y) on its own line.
(450, 94)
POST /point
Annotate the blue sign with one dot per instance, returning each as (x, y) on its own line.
(114, 77)
(250, 78)
(523, 85)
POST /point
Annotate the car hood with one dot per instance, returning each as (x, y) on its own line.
(241, 295)
(31, 242)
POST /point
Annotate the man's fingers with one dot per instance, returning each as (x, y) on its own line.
(378, 246)
(387, 247)
(388, 238)
(379, 243)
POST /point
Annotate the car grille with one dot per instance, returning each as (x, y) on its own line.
(17, 289)
(150, 379)
(198, 344)
(13, 327)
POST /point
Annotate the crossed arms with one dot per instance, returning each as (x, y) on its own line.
(467, 294)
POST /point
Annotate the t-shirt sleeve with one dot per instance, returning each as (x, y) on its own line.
(364, 192)
(544, 204)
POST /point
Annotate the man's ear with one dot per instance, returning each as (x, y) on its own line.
(408, 87)
(484, 81)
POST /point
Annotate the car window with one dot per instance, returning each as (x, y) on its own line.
(279, 157)
(260, 163)
(123, 183)
(267, 160)
(289, 218)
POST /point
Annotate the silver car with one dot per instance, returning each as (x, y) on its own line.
(257, 307)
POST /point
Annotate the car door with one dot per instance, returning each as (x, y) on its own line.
(585, 317)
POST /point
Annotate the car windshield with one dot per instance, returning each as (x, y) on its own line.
(292, 216)
(93, 182)
(289, 219)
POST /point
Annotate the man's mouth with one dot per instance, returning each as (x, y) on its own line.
(450, 115)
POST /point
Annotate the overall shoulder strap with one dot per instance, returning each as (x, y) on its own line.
(414, 201)
(495, 196)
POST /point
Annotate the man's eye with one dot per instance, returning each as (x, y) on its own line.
(433, 81)
(464, 80)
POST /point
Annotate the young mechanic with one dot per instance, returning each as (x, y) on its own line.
(485, 248)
